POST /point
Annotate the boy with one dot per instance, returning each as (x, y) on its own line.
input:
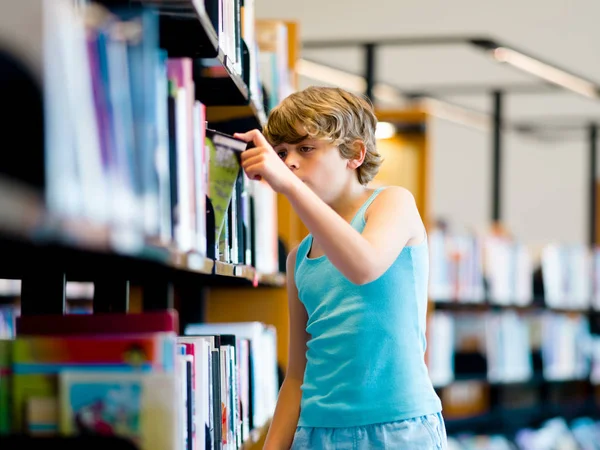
(357, 284)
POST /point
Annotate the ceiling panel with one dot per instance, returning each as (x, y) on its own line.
(348, 59)
(419, 68)
(536, 107)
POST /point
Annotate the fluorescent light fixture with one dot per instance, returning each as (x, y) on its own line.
(385, 130)
(334, 77)
(390, 95)
(331, 76)
(545, 71)
(456, 114)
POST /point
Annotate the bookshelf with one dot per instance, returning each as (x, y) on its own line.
(153, 266)
(279, 40)
(513, 333)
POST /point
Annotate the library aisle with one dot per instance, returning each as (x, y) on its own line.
(143, 300)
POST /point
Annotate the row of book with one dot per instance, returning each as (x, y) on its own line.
(131, 375)
(498, 270)
(127, 142)
(500, 347)
(267, 42)
(553, 434)
(473, 269)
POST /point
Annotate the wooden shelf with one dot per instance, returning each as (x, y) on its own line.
(486, 306)
(247, 274)
(507, 420)
(229, 113)
(32, 241)
(536, 379)
(274, 279)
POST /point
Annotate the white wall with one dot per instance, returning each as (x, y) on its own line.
(544, 195)
(545, 190)
(460, 190)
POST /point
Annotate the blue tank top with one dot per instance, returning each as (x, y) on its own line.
(365, 356)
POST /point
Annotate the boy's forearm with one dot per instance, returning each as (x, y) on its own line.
(285, 420)
(345, 247)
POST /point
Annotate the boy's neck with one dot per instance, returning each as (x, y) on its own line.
(352, 197)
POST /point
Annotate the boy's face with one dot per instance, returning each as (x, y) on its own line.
(319, 165)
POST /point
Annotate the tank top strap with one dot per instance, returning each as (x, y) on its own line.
(360, 214)
(302, 252)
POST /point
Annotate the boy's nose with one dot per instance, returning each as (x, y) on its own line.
(291, 162)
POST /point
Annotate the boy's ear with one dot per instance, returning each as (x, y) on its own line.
(360, 150)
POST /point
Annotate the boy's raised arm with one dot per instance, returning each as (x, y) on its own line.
(392, 221)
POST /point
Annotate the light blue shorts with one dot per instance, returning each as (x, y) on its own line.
(422, 433)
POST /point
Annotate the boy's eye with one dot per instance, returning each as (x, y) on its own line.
(305, 149)
(282, 154)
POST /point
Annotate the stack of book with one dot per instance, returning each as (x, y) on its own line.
(207, 389)
(566, 346)
(509, 271)
(568, 276)
(499, 346)
(456, 267)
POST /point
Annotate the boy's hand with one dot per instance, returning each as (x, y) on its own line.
(261, 162)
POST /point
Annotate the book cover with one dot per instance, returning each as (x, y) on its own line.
(180, 71)
(5, 374)
(200, 166)
(37, 361)
(224, 167)
(138, 406)
(98, 324)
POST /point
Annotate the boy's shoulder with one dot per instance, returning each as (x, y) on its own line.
(393, 197)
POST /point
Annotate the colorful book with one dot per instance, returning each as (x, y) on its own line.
(140, 406)
(97, 324)
(37, 361)
(5, 374)
(224, 167)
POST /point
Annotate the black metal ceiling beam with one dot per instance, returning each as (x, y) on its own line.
(397, 41)
(482, 43)
(482, 89)
(593, 185)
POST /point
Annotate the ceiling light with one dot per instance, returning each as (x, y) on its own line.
(329, 75)
(545, 71)
(387, 94)
(456, 114)
(390, 95)
(385, 130)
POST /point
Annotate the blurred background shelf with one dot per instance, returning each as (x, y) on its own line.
(535, 307)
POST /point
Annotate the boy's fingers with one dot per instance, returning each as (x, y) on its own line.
(254, 136)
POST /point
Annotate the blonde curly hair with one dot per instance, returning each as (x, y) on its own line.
(328, 113)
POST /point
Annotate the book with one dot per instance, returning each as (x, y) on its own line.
(5, 377)
(224, 167)
(38, 360)
(98, 324)
(139, 406)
